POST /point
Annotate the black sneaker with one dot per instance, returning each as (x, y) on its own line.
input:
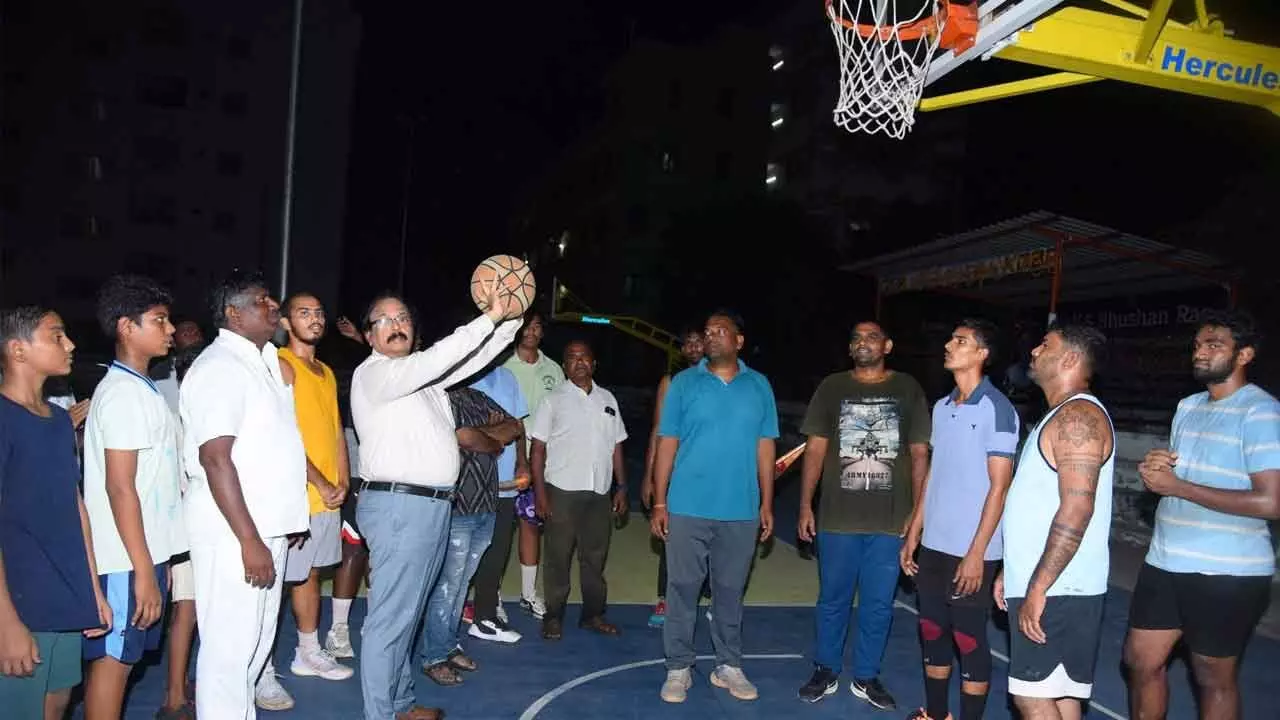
(823, 683)
(873, 692)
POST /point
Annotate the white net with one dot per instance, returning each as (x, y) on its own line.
(885, 47)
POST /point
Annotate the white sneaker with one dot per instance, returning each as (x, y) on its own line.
(534, 606)
(338, 641)
(501, 613)
(494, 630)
(319, 663)
(677, 685)
(270, 694)
(735, 681)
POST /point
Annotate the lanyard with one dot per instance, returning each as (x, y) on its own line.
(150, 383)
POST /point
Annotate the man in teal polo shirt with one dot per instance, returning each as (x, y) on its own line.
(716, 453)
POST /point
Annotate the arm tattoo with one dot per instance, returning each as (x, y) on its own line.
(1078, 426)
(1061, 547)
(1079, 492)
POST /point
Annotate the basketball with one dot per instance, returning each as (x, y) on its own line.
(515, 277)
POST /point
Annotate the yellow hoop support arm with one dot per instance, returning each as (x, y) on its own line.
(1151, 28)
(1052, 81)
(1197, 63)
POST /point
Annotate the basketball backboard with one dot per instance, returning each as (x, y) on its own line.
(888, 62)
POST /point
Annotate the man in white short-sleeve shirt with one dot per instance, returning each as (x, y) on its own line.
(576, 454)
(247, 477)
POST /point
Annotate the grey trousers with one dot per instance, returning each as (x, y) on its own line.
(696, 546)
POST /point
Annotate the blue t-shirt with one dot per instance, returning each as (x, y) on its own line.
(1219, 443)
(501, 386)
(964, 436)
(45, 565)
(719, 426)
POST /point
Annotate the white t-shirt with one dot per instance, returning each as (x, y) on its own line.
(581, 431)
(235, 389)
(129, 413)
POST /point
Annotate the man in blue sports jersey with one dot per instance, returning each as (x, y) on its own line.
(1207, 578)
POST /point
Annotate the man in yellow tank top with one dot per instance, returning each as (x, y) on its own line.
(315, 401)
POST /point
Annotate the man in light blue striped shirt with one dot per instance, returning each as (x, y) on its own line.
(1207, 578)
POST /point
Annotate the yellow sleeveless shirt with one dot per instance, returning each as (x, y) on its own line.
(315, 401)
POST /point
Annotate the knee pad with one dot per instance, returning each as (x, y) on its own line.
(970, 635)
(935, 643)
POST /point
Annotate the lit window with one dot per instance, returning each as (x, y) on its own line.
(773, 175)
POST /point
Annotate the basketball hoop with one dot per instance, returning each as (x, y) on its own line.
(885, 55)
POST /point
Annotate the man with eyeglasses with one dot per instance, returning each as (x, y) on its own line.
(409, 463)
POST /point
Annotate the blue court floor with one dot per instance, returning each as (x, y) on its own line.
(586, 676)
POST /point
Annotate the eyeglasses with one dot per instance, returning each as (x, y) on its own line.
(402, 319)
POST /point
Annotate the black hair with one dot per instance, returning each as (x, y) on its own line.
(287, 305)
(986, 333)
(231, 291)
(367, 321)
(20, 323)
(579, 341)
(529, 316)
(128, 296)
(688, 330)
(1086, 340)
(854, 328)
(1244, 332)
(732, 317)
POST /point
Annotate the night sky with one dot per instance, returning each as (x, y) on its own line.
(500, 89)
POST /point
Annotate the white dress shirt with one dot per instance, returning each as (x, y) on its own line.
(401, 410)
(581, 430)
(233, 389)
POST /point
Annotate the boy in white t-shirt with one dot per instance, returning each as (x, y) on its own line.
(131, 492)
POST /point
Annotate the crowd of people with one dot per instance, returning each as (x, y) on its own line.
(212, 476)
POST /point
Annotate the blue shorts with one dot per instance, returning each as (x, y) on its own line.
(125, 642)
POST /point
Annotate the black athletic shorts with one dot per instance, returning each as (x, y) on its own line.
(1063, 666)
(350, 530)
(938, 569)
(1216, 613)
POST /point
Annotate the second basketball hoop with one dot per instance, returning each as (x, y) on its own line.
(885, 47)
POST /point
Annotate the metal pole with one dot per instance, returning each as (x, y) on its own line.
(1056, 288)
(404, 205)
(287, 222)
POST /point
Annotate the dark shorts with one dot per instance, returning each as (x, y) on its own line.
(1216, 613)
(937, 570)
(525, 508)
(125, 642)
(58, 669)
(350, 530)
(1063, 666)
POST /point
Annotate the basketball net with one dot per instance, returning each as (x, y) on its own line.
(885, 52)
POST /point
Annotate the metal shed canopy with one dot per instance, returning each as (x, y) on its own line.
(1043, 258)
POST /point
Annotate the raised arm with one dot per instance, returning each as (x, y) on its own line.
(389, 380)
(1078, 441)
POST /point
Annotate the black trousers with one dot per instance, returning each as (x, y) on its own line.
(493, 565)
(582, 521)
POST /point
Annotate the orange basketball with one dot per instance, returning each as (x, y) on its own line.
(515, 276)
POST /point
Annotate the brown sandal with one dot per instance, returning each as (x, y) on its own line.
(599, 625)
(552, 629)
(417, 712)
(459, 661)
(443, 674)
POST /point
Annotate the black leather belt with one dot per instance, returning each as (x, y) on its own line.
(419, 490)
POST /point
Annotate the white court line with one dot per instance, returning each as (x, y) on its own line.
(538, 705)
(1005, 659)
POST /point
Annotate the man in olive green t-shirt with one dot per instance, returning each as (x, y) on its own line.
(868, 442)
